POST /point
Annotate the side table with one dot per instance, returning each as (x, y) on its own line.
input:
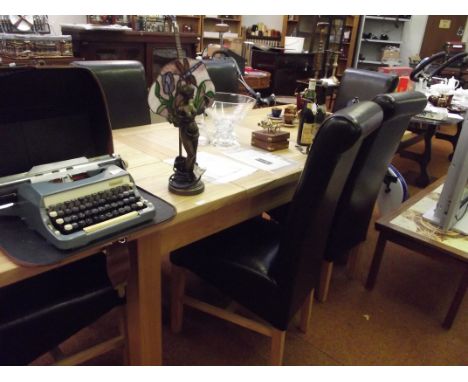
(407, 228)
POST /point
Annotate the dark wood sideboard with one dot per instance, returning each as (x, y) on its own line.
(285, 68)
(153, 50)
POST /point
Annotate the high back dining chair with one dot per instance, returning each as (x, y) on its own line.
(224, 74)
(361, 190)
(227, 78)
(363, 84)
(39, 313)
(268, 268)
(124, 86)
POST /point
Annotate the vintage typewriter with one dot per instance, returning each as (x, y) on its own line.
(75, 202)
(58, 170)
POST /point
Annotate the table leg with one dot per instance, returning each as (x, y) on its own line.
(376, 260)
(453, 139)
(423, 158)
(423, 179)
(144, 302)
(456, 302)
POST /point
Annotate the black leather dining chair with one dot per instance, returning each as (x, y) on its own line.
(39, 313)
(227, 78)
(271, 269)
(224, 74)
(362, 188)
(364, 85)
(124, 85)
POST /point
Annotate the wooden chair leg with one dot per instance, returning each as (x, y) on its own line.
(277, 347)
(123, 333)
(351, 264)
(177, 295)
(456, 302)
(375, 266)
(306, 312)
(325, 277)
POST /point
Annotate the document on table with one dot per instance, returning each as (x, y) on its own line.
(260, 160)
(220, 169)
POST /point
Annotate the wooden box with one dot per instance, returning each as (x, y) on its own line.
(270, 141)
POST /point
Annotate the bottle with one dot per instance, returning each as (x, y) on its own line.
(310, 93)
(308, 123)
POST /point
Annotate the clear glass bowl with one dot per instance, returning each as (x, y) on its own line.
(227, 110)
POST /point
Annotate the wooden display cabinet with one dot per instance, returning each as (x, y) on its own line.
(153, 50)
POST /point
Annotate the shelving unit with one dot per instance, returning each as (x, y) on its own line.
(369, 50)
(209, 34)
(193, 22)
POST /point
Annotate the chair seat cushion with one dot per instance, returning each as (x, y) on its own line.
(41, 312)
(239, 262)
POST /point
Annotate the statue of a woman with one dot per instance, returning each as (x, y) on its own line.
(186, 177)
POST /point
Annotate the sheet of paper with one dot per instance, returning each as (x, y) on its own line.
(260, 160)
(220, 169)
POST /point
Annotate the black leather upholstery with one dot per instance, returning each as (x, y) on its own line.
(224, 74)
(39, 313)
(361, 190)
(364, 84)
(124, 87)
(271, 268)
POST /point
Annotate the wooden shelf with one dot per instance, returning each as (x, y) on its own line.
(386, 18)
(222, 18)
(187, 17)
(382, 41)
(372, 62)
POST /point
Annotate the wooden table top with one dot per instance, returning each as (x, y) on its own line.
(408, 222)
(147, 150)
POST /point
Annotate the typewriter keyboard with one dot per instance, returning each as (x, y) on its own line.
(96, 211)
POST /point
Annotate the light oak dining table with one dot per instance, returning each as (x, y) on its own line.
(149, 151)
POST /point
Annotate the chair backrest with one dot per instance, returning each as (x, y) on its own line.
(364, 84)
(124, 87)
(357, 201)
(312, 209)
(224, 74)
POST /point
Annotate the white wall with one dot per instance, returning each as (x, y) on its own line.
(413, 35)
(271, 21)
(56, 20)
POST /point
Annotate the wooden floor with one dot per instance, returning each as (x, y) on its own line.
(396, 324)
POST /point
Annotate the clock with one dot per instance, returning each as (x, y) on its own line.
(22, 23)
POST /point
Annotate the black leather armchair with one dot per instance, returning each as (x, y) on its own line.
(270, 268)
(363, 84)
(361, 190)
(39, 313)
(124, 87)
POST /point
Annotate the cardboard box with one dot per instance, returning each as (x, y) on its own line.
(389, 54)
(398, 70)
